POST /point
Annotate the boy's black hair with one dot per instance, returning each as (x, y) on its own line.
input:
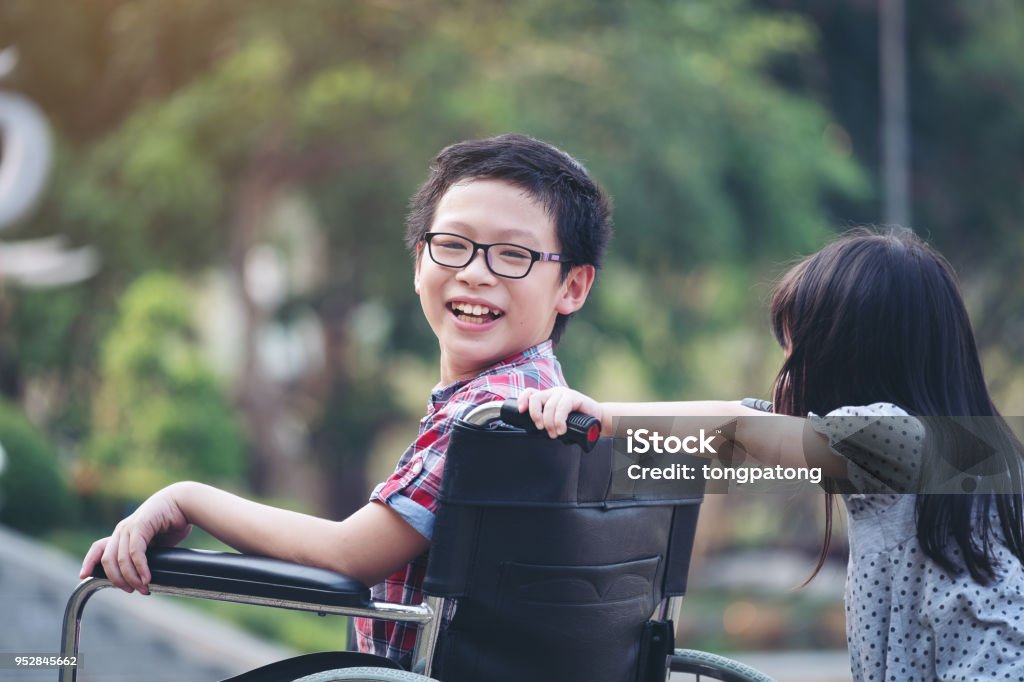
(578, 206)
(878, 317)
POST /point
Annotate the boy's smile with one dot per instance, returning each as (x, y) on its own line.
(478, 317)
(474, 314)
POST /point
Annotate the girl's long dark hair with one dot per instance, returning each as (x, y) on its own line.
(878, 317)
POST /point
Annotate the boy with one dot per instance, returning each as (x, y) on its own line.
(541, 225)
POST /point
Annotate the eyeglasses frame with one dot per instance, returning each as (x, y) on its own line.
(535, 256)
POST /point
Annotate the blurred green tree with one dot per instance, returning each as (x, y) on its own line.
(176, 151)
(159, 414)
(34, 494)
(966, 84)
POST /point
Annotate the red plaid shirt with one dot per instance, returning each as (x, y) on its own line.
(413, 488)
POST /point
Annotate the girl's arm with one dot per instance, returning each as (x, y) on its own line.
(776, 439)
(368, 546)
(771, 439)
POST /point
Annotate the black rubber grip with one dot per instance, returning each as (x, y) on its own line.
(758, 404)
(582, 429)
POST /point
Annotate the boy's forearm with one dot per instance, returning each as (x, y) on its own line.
(251, 527)
(369, 545)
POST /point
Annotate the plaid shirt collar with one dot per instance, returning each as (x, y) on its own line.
(442, 393)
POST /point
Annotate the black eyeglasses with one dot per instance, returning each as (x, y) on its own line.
(504, 260)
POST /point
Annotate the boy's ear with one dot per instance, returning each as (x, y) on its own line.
(576, 288)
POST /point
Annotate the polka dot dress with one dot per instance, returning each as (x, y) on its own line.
(906, 618)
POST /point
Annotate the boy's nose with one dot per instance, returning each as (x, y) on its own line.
(476, 269)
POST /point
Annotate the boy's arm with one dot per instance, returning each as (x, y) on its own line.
(551, 407)
(367, 546)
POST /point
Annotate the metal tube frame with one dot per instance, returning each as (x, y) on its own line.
(482, 414)
(670, 609)
(427, 614)
(426, 640)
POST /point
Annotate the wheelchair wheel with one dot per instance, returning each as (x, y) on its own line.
(365, 674)
(707, 666)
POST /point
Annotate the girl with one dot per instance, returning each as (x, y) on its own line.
(878, 341)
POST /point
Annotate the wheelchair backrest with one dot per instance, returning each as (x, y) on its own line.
(555, 565)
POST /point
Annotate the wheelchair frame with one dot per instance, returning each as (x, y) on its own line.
(347, 599)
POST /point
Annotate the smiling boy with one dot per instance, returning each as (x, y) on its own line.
(478, 315)
(507, 234)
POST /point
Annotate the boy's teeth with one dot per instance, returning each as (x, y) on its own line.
(470, 309)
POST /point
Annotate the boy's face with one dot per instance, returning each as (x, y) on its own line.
(520, 313)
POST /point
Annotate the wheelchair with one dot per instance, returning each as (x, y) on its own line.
(557, 571)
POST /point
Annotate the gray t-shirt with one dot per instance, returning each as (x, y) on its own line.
(906, 618)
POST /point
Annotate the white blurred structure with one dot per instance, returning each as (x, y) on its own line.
(46, 262)
(26, 157)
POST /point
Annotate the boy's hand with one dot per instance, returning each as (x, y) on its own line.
(159, 520)
(551, 407)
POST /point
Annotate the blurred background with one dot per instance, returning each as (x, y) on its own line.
(213, 283)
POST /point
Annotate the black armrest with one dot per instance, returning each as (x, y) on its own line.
(252, 576)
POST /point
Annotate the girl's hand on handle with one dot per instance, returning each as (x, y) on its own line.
(159, 520)
(551, 407)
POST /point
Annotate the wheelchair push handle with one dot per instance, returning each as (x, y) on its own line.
(582, 429)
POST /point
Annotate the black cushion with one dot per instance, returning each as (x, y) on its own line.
(253, 576)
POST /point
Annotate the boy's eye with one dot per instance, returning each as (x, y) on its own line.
(452, 245)
(514, 253)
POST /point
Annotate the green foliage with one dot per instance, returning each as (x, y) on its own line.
(302, 631)
(965, 86)
(44, 325)
(673, 107)
(160, 414)
(34, 497)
